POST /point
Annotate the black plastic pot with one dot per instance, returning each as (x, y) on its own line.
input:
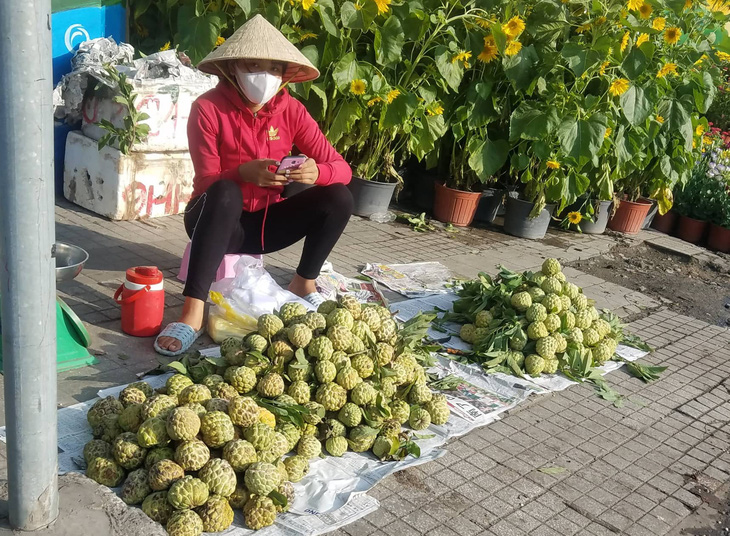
(517, 221)
(489, 205)
(370, 197)
(601, 215)
(502, 208)
(652, 213)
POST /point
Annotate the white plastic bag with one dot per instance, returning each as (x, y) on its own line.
(252, 291)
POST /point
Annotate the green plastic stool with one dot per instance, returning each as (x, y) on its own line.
(72, 340)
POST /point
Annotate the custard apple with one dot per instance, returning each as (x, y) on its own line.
(518, 341)
(291, 432)
(176, 383)
(157, 507)
(388, 331)
(466, 334)
(131, 395)
(243, 411)
(158, 406)
(340, 336)
(239, 497)
(602, 327)
(419, 394)
(315, 321)
(105, 406)
(347, 378)
(270, 325)
(259, 512)
(163, 474)
(321, 348)
(216, 428)
(534, 365)
(96, 448)
(158, 454)
(546, 347)
(331, 396)
(326, 307)
(352, 304)
(371, 318)
(130, 419)
(267, 418)
(602, 352)
(400, 410)
(567, 320)
(239, 454)
(259, 435)
(270, 385)
(105, 471)
(219, 476)
(299, 391)
(552, 303)
(291, 310)
(300, 371)
(576, 335)
(223, 391)
(127, 451)
(521, 301)
(580, 302)
(438, 409)
(183, 424)
(153, 432)
(551, 366)
(192, 455)
(136, 487)
(583, 319)
(262, 478)
(552, 285)
(188, 492)
(218, 404)
(309, 447)
(537, 330)
(419, 419)
(536, 293)
(483, 319)
(341, 360)
(363, 394)
(362, 331)
(340, 317)
(361, 438)
(325, 371)
(562, 343)
(194, 393)
(536, 313)
(590, 337)
(350, 415)
(299, 335)
(297, 467)
(216, 514)
(255, 342)
(552, 323)
(550, 267)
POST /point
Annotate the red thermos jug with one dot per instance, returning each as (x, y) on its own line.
(142, 298)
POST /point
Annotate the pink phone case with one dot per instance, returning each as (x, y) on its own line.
(290, 162)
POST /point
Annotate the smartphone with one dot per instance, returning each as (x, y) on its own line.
(290, 162)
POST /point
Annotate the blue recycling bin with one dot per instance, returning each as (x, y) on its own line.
(72, 23)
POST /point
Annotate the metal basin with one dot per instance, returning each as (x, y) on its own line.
(69, 261)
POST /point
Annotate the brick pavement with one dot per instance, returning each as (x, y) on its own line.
(632, 470)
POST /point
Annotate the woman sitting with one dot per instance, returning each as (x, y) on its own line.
(238, 135)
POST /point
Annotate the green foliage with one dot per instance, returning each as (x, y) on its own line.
(133, 131)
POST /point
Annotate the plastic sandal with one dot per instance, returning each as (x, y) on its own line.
(180, 331)
(315, 298)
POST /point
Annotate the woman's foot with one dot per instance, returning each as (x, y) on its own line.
(306, 289)
(192, 315)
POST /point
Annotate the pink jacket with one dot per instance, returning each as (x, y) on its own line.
(223, 133)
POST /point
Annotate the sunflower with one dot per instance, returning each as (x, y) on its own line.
(307, 4)
(383, 6)
(699, 130)
(608, 132)
(659, 119)
(357, 87)
(392, 95)
(602, 69)
(643, 38)
(659, 23)
(624, 41)
(489, 52)
(601, 20)
(718, 6)
(672, 35)
(645, 11)
(513, 27)
(553, 164)
(583, 28)
(372, 102)
(666, 70)
(307, 35)
(723, 56)
(619, 87)
(634, 5)
(575, 217)
(436, 109)
(220, 41)
(164, 47)
(484, 23)
(463, 57)
(687, 4)
(513, 47)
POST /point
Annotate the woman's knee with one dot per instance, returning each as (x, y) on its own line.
(339, 198)
(224, 194)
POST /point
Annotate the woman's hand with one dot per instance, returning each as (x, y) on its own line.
(257, 172)
(307, 173)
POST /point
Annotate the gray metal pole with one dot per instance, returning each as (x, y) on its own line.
(27, 273)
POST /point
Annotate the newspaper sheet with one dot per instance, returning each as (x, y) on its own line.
(412, 280)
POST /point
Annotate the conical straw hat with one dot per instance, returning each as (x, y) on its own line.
(259, 39)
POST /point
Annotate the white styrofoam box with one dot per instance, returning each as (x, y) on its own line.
(166, 102)
(119, 187)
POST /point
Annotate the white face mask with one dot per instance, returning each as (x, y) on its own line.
(259, 88)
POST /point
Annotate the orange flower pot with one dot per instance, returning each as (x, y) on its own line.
(719, 238)
(455, 206)
(629, 216)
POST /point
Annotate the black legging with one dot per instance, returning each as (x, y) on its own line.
(217, 226)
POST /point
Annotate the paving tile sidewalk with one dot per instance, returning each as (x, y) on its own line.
(632, 470)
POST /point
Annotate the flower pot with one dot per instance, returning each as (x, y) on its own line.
(601, 215)
(691, 230)
(455, 206)
(651, 215)
(629, 216)
(489, 205)
(517, 221)
(294, 188)
(370, 197)
(719, 238)
(665, 224)
(510, 193)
